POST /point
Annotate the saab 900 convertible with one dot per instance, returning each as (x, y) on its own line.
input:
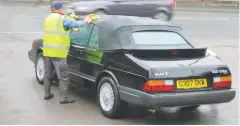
(144, 62)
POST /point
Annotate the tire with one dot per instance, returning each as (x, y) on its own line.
(116, 109)
(39, 72)
(162, 16)
(100, 12)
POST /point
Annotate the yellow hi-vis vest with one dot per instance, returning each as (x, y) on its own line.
(56, 40)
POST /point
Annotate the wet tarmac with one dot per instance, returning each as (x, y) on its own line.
(21, 97)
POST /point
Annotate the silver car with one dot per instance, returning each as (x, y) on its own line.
(158, 9)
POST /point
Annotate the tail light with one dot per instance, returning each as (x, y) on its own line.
(33, 44)
(175, 52)
(171, 4)
(159, 86)
(222, 82)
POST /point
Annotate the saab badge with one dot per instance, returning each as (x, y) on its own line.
(161, 74)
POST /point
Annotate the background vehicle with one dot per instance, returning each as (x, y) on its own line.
(144, 62)
(159, 9)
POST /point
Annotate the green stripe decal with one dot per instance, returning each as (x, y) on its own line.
(93, 56)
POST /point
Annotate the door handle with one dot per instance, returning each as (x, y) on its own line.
(78, 47)
(80, 50)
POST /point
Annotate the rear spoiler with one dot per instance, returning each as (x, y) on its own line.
(169, 53)
(161, 50)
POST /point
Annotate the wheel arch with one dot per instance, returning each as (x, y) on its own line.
(102, 9)
(163, 9)
(38, 51)
(103, 74)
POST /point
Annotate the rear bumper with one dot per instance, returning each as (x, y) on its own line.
(176, 99)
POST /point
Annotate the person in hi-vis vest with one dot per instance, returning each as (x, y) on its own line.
(56, 44)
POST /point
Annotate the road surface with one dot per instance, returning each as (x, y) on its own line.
(21, 97)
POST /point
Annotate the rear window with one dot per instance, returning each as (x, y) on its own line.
(158, 38)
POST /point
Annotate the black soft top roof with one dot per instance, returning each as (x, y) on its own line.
(113, 22)
(115, 32)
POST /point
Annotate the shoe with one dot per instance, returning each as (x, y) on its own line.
(64, 99)
(48, 97)
(47, 88)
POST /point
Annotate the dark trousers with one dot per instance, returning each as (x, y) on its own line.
(61, 68)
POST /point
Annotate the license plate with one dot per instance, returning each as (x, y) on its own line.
(191, 84)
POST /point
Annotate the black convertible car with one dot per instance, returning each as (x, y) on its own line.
(144, 62)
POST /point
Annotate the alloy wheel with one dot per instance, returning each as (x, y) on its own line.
(40, 68)
(106, 97)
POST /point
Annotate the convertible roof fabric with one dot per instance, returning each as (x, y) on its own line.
(115, 32)
(114, 22)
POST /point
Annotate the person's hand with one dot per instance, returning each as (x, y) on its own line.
(87, 19)
(72, 16)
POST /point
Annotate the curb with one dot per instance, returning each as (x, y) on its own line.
(206, 10)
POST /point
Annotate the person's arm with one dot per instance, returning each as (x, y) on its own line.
(68, 23)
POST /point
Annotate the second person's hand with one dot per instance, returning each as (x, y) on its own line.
(87, 19)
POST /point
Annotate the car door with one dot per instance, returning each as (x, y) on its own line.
(124, 7)
(141, 7)
(79, 41)
(151, 7)
(92, 65)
